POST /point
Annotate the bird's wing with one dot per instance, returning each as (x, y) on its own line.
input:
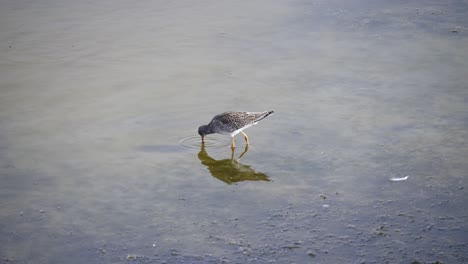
(234, 120)
(257, 116)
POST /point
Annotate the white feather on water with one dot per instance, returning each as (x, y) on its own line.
(400, 179)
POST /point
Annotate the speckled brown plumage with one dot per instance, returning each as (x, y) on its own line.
(232, 123)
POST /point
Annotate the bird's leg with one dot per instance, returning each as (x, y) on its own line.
(233, 145)
(232, 153)
(246, 137)
(245, 151)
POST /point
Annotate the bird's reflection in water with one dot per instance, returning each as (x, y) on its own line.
(230, 170)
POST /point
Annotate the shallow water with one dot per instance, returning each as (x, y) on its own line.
(99, 154)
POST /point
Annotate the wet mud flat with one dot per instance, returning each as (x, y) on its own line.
(364, 160)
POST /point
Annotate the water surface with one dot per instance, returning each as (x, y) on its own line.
(100, 105)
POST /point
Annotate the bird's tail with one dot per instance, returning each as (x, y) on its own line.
(263, 115)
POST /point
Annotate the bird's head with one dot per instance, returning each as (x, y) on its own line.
(202, 131)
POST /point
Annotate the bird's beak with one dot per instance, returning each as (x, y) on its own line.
(202, 139)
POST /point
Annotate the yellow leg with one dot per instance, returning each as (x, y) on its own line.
(245, 151)
(246, 137)
(232, 153)
(233, 145)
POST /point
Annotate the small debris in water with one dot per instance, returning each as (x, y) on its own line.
(325, 205)
(310, 253)
(400, 179)
(291, 246)
(381, 231)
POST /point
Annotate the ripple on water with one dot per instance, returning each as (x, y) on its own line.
(212, 141)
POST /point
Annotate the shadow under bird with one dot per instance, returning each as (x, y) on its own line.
(232, 123)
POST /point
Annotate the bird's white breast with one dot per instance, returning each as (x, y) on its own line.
(240, 129)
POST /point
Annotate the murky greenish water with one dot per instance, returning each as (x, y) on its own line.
(100, 161)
